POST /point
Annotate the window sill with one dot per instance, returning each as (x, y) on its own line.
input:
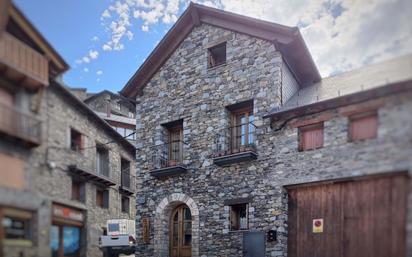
(18, 242)
(239, 231)
(216, 67)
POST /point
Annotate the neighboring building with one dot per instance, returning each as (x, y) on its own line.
(63, 170)
(116, 110)
(243, 150)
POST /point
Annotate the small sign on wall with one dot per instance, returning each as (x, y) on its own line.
(317, 226)
(146, 230)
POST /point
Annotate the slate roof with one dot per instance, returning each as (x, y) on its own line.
(364, 79)
(287, 40)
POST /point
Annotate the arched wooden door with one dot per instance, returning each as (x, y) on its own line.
(181, 232)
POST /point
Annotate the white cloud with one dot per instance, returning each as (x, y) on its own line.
(105, 14)
(99, 73)
(95, 39)
(106, 47)
(145, 28)
(86, 70)
(340, 34)
(93, 54)
(85, 59)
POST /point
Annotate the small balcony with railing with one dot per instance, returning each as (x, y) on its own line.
(21, 63)
(167, 159)
(235, 144)
(127, 183)
(92, 169)
(19, 126)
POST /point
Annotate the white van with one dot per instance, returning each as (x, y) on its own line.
(120, 238)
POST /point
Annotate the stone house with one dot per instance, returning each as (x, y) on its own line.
(243, 150)
(64, 171)
(116, 110)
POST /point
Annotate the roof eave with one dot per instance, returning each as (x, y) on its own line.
(345, 100)
(196, 14)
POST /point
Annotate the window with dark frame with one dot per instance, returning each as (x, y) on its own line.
(125, 204)
(16, 224)
(217, 55)
(125, 173)
(76, 140)
(242, 128)
(174, 143)
(78, 188)
(102, 161)
(363, 126)
(239, 217)
(311, 137)
(102, 198)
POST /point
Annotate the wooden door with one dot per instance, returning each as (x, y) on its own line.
(181, 232)
(360, 218)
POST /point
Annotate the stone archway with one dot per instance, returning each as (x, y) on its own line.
(161, 223)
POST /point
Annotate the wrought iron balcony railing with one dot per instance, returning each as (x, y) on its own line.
(21, 126)
(235, 142)
(235, 139)
(90, 168)
(127, 182)
(167, 155)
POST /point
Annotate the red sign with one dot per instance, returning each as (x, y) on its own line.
(67, 213)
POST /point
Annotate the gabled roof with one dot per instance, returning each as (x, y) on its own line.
(370, 81)
(82, 107)
(58, 64)
(288, 40)
(93, 96)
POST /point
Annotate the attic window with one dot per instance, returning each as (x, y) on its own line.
(217, 55)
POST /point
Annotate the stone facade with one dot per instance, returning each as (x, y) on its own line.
(184, 88)
(47, 177)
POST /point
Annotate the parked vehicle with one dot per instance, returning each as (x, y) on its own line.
(120, 238)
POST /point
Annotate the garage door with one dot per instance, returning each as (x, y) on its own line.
(349, 219)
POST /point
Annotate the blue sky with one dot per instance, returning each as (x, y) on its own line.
(105, 41)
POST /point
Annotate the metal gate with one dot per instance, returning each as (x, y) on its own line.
(254, 244)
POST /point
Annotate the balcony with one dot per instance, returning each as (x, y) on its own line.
(167, 160)
(127, 185)
(20, 63)
(235, 144)
(20, 127)
(92, 170)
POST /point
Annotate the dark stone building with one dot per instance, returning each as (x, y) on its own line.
(243, 150)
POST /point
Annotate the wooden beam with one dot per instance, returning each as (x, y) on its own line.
(4, 15)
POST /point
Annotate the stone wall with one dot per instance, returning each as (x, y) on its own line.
(185, 89)
(49, 180)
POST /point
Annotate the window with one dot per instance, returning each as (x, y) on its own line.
(175, 142)
(242, 128)
(239, 217)
(16, 224)
(78, 191)
(363, 126)
(125, 204)
(102, 161)
(125, 173)
(76, 140)
(311, 137)
(102, 198)
(217, 55)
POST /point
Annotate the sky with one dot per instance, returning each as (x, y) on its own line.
(105, 41)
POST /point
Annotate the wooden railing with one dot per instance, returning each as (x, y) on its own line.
(23, 59)
(19, 125)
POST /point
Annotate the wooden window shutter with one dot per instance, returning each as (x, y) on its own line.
(311, 137)
(364, 126)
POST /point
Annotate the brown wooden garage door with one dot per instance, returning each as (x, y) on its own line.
(360, 218)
